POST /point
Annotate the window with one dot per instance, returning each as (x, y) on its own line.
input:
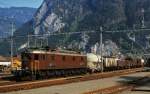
(52, 57)
(36, 57)
(43, 57)
(73, 58)
(63, 58)
(82, 59)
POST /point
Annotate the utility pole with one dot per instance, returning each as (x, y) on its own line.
(12, 41)
(35, 41)
(101, 44)
(28, 45)
(46, 39)
(143, 18)
(132, 48)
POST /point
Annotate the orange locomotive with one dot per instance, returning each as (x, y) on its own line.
(44, 64)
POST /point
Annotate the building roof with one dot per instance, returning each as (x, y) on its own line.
(4, 59)
(5, 63)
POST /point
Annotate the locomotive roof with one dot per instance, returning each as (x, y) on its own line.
(57, 53)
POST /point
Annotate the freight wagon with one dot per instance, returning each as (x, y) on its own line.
(110, 63)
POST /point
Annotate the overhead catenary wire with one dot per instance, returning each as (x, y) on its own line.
(18, 37)
(80, 32)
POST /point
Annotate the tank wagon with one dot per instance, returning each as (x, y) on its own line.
(94, 62)
(45, 64)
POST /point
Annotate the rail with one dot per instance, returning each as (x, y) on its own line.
(45, 83)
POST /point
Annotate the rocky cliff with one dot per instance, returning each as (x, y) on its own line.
(75, 15)
(82, 15)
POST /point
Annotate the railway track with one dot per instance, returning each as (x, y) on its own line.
(110, 90)
(5, 76)
(117, 89)
(6, 79)
(37, 84)
(2, 83)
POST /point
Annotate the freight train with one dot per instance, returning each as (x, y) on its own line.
(39, 64)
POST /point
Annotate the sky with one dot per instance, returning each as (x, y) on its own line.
(20, 3)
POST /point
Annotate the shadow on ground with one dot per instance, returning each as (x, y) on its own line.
(136, 82)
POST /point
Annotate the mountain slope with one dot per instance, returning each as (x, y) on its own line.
(78, 15)
(83, 15)
(18, 15)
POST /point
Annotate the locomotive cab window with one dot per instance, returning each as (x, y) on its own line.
(43, 57)
(82, 59)
(73, 58)
(36, 57)
(63, 58)
(52, 57)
